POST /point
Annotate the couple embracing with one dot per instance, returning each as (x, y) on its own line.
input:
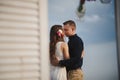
(66, 59)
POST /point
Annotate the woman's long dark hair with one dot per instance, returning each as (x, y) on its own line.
(54, 38)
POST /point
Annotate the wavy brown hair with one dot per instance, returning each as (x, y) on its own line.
(54, 38)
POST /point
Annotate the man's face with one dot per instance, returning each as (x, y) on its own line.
(68, 30)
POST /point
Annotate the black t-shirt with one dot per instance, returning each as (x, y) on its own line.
(76, 47)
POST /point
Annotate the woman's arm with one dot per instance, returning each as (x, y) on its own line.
(65, 50)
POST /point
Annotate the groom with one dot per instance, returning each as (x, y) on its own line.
(76, 51)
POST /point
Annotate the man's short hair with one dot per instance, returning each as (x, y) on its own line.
(70, 22)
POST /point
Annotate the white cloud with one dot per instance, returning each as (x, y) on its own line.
(92, 18)
(60, 6)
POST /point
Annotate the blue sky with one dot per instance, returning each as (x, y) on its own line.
(98, 23)
(97, 29)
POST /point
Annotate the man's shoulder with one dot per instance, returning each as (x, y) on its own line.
(78, 38)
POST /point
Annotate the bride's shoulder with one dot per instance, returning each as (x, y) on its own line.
(61, 42)
(64, 44)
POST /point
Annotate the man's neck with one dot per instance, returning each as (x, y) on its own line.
(73, 34)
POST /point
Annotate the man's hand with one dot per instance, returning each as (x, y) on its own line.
(55, 61)
(83, 53)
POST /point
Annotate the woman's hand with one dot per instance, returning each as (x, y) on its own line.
(55, 61)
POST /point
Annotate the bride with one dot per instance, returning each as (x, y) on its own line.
(59, 49)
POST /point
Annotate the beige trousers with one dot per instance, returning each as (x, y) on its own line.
(75, 74)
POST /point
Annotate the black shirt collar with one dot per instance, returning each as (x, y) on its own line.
(70, 37)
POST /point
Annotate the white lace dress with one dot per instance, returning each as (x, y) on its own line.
(56, 72)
